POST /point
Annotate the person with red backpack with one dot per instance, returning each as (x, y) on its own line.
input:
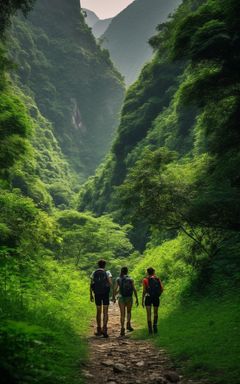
(101, 281)
(152, 290)
(125, 288)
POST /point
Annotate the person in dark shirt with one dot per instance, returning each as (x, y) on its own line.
(152, 289)
(101, 281)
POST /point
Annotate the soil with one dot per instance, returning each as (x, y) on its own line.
(119, 359)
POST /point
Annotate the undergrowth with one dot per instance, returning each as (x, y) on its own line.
(43, 325)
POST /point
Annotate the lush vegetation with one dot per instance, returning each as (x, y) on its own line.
(173, 174)
(169, 187)
(46, 247)
(71, 78)
(174, 163)
(198, 323)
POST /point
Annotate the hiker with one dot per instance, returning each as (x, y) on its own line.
(101, 281)
(152, 290)
(125, 288)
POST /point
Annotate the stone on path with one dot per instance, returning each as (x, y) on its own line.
(157, 379)
(173, 377)
(107, 363)
(87, 375)
(119, 368)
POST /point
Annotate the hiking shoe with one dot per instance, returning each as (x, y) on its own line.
(150, 331)
(122, 333)
(98, 332)
(104, 332)
(129, 328)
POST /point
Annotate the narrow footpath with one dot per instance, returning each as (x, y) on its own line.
(118, 360)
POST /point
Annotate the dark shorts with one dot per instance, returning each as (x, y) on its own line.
(125, 300)
(102, 299)
(155, 301)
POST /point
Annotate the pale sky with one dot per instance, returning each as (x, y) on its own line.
(105, 8)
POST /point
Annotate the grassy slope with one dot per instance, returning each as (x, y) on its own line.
(44, 340)
(201, 333)
(201, 337)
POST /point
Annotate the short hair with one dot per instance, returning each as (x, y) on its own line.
(151, 271)
(124, 271)
(101, 263)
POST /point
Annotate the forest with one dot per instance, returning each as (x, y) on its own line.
(143, 176)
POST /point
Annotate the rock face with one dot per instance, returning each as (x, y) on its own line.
(73, 81)
(127, 36)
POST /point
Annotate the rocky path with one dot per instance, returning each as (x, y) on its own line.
(118, 360)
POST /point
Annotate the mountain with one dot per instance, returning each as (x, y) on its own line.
(72, 80)
(127, 36)
(90, 17)
(98, 26)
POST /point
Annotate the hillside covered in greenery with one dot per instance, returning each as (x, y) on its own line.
(173, 173)
(47, 249)
(72, 80)
(166, 195)
(177, 144)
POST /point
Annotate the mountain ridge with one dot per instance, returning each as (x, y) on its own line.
(97, 25)
(127, 36)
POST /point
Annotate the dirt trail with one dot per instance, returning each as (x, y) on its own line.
(123, 360)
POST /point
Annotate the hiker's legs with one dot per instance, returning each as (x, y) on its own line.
(155, 319)
(105, 317)
(122, 317)
(149, 318)
(122, 314)
(149, 315)
(98, 318)
(129, 315)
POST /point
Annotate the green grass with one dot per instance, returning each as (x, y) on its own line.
(202, 337)
(43, 338)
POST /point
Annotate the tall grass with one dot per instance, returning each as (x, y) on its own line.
(200, 332)
(44, 319)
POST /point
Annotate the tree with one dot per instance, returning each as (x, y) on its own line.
(9, 7)
(172, 196)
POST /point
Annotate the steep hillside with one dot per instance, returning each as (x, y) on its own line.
(173, 173)
(43, 242)
(72, 80)
(97, 25)
(174, 118)
(127, 36)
